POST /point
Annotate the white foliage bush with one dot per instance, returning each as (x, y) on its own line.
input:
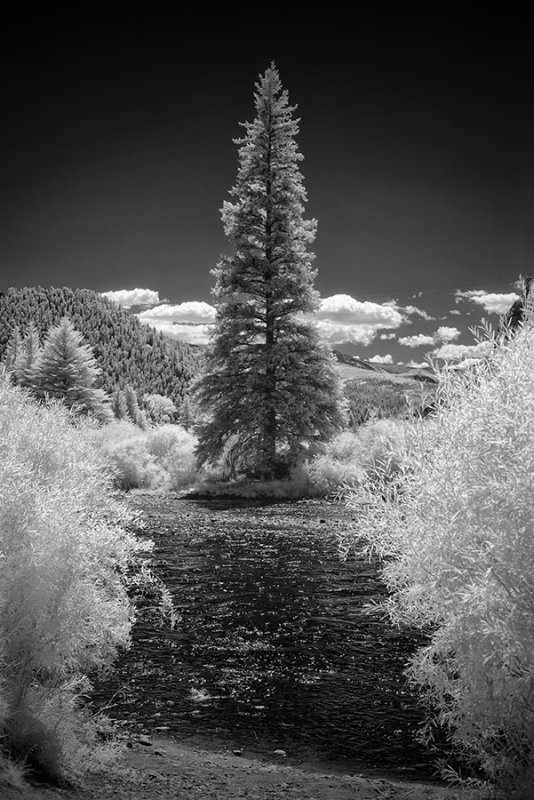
(455, 526)
(350, 457)
(161, 457)
(66, 558)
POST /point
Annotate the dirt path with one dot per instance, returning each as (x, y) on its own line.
(168, 770)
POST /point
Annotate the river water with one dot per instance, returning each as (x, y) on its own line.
(275, 648)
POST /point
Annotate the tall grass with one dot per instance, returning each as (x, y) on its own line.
(455, 527)
(66, 562)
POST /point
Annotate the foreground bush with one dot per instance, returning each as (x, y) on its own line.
(455, 527)
(66, 563)
(159, 458)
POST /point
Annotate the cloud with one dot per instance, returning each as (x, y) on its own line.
(455, 312)
(418, 340)
(492, 303)
(443, 334)
(411, 310)
(192, 312)
(387, 359)
(133, 297)
(342, 318)
(190, 321)
(417, 364)
(446, 334)
(461, 351)
(192, 334)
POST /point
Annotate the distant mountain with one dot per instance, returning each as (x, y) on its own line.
(126, 350)
(384, 390)
(352, 368)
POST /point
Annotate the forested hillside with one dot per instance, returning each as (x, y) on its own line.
(127, 351)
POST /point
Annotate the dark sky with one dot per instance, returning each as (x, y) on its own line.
(417, 130)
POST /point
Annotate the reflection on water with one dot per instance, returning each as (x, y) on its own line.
(273, 645)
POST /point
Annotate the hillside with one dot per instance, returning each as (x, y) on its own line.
(352, 368)
(126, 350)
(385, 390)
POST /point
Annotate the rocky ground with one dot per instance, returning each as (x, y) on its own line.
(169, 770)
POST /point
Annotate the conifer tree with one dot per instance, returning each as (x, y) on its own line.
(13, 353)
(29, 357)
(269, 386)
(67, 370)
(132, 405)
(118, 404)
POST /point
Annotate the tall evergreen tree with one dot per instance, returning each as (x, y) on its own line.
(270, 385)
(67, 370)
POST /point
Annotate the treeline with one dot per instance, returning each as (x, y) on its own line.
(127, 351)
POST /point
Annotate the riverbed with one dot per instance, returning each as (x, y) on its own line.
(275, 649)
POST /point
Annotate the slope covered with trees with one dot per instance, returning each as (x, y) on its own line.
(127, 351)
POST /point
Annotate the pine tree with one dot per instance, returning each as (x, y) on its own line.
(13, 353)
(67, 370)
(132, 406)
(270, 386)
(118, 404)
(29, 357)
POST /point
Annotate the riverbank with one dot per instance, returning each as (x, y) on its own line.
(168, 770)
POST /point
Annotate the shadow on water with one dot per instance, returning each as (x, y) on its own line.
(274, 647)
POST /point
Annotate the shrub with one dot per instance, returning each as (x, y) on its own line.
(160, 409)
(454, 526)
(350, 457)
(344, 461)
(160, 458)
(67, 560)
(174, 448)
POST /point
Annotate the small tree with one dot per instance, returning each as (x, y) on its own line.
(67, 370)
(29, 356)
(160, 409)
(269, 386)
(132, 405)
(118, 404)
(13, 353)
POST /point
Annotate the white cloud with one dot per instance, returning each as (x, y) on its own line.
(418, 340)
(455, 312)
(193, 334)
(417, 364)
(192, 312)
(492, 303)
(133, 297)
(443, 334)
(190, 321)
(387, 359)
(411, 310)
(461, 351)
(446, 334)
(342, 318)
